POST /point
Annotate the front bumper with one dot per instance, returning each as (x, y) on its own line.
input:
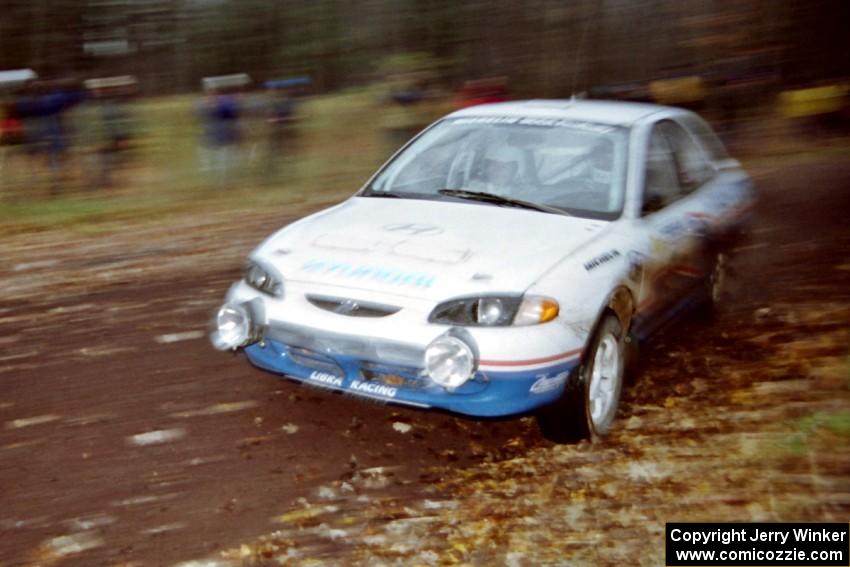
(486, 394)
(517, 369)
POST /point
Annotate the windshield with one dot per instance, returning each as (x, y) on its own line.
(577, 168)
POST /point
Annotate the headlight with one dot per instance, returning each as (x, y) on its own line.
(495, 311)
(264, 279)
(449, 362)
(490, 311)
(232, 327)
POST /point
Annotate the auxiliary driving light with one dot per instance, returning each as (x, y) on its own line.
(449, 362)
(232, 327)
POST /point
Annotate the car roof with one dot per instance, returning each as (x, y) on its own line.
(614, 113)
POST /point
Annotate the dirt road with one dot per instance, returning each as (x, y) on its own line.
(126, 440)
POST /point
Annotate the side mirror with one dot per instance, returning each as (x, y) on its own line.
(652, 202)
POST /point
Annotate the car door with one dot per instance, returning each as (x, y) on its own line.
(672, 259)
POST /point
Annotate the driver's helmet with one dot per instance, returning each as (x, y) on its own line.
(501, 165)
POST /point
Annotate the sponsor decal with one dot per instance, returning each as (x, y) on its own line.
(692, 225)
(488, 120)
(541, 122)
(325, 378)
(373, 388)
(601, 259)
(548, 383)
(698, 226)
(674, 229)
(721, 200)
(369, 273)
(727, 195)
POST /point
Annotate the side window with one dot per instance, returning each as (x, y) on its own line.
(661, 185)
(706, 137)
(694, 168)
(676, 165)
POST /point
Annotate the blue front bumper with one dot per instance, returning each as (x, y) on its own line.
(487, 394)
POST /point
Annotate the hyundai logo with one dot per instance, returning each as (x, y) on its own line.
(414, 229)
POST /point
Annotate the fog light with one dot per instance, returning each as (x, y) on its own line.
(449, 362)
(232, 327)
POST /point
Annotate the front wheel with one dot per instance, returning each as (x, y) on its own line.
(590, 400)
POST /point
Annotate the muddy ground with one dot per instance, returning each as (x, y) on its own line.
(126, 440)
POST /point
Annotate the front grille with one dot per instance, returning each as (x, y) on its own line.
(333, 344)
(352, 307)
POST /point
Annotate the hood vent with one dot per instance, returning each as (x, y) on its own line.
(352, 307)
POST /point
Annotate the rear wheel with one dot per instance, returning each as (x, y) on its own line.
(717, 279)
(589, 403)
(715, 288)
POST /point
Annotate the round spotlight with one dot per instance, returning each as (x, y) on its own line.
(449, 362)
(232, 327)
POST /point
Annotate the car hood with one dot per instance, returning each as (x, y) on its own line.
(425, 249)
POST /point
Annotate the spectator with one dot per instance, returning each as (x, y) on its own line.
(114, 124)
(220, 113)
(41, 110)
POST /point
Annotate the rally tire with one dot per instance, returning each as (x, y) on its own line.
(714, 289)
(588, 406)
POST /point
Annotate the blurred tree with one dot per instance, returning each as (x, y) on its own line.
(45, 35)
(546, 47)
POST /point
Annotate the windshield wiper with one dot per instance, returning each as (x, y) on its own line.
(386, 194)
(499, 200)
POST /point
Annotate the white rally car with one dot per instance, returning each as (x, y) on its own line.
(499, 262)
